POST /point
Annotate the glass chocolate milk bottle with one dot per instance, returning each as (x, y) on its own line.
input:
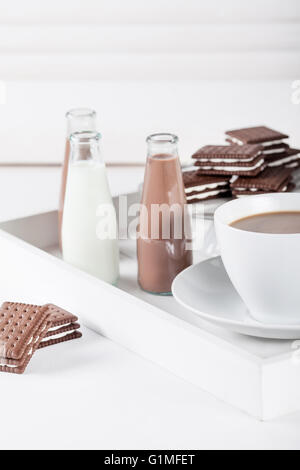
(164, 241)
(78, 120)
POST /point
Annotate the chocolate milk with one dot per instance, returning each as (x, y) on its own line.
(78, 120)
(164, 235)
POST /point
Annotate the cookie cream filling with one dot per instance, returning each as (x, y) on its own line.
(61, 335)
(254, 189)
(264, 144)
(206, 194)
(234, 140)
(203, 187)
(52, 330)
(267, 152)
(229, 160)
(272, 142)
(7, 365)
(234, 168)
(246, 189)
(284, 160)
(292, 165)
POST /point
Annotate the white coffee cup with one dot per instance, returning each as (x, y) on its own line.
(263, 267)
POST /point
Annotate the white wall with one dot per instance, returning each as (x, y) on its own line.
(129, 39)
(126, 58)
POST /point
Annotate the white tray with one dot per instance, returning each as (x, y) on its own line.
(260, 377)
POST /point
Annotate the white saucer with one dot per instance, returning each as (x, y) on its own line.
(206, 289)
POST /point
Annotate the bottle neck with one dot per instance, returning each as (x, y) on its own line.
(162, 146)
(81, 120)
(85, 147)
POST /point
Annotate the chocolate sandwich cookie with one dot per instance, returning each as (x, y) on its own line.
(22, 328)
(63, 326)
(256, 135)
(285, 188)
(290, 159)
(246, 160)
(56, 339)
(200, 188)
(270, 180)
(275, 150)
(268, 150)
(270, 139)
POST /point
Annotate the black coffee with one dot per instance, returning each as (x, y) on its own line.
(270, 222)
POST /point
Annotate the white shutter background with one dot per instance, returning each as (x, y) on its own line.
(195, 67)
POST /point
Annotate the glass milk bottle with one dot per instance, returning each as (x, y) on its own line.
(89, 226)
(163, 243)
(78, 120)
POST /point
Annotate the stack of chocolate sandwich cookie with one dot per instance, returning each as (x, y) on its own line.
(255, 160)
(243, 160)
(24, 328)
(63, 326)
(276, 150)
(201, 188)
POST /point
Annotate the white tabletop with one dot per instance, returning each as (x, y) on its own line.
(93, 393)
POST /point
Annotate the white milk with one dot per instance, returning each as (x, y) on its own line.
(89, 229)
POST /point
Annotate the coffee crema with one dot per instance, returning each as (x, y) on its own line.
(283, 222)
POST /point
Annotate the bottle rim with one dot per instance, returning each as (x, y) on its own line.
(81, 113)
(85, 137)
(162, 138)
